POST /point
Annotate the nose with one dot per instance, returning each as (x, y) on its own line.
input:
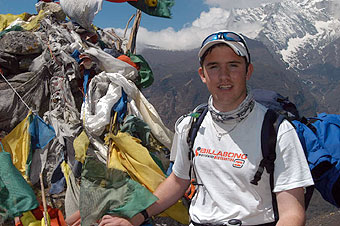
(224, 72)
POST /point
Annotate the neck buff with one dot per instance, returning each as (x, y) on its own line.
(237, 115)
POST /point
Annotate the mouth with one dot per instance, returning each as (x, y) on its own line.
(225, 87)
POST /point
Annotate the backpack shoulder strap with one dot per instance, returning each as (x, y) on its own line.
(197, 115)
(270, 127)
(197, 118)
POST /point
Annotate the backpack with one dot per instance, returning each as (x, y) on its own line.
(320, 139)
(275, 101)
(319, 136)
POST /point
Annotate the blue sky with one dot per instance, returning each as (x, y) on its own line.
(191, 20)
(117, 14)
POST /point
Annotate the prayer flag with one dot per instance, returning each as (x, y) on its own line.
(162, 9)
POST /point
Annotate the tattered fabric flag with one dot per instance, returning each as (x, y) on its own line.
(36, 217)
(136, 127)
(41, 133)
(145, 72)
(127, 154)
(82, 11)
(7, 19)
(120, 107)
(60, 177)
(16, 196)
(109, 191)
(162, 9)
(18, 143)
(80, 145)
(30, 134)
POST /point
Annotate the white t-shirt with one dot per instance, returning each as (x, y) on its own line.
(227, 166)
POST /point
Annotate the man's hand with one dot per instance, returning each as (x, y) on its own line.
(108, 220)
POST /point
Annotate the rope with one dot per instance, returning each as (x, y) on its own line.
(51, 53)
(15, 91)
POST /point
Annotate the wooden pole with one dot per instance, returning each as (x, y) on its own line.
(43, 199)
(133, 35)
(127, 24)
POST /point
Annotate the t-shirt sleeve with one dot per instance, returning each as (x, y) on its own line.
(291, 167)
(181, 166)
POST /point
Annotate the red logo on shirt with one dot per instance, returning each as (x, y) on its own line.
(238, 159)
(238, 163)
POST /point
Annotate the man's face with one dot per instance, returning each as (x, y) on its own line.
(225, 75)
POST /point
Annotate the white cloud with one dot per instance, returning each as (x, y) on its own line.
(215, 18)
(189, 37)
(229, 4)
(192, 34)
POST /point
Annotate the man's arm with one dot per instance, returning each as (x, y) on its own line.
(291, 206)
(168, 193)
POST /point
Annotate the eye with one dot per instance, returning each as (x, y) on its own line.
(212, 66)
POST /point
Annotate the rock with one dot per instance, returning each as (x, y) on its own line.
(20, 43)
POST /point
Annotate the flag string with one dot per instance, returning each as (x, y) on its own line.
(14, 90)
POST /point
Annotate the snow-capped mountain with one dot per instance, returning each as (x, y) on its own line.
(305, 35)
(297, 30)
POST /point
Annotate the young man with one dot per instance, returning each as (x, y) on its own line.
(231, 131)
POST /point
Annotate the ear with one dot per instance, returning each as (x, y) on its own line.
(250, 71)
(201, 73)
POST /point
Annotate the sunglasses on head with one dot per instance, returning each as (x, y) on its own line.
(228, 36)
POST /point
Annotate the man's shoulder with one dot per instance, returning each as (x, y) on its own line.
(257, 114)
(183, 123)
(285, 125)
(261, 108)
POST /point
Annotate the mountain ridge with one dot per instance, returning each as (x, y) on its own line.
(310, 23)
